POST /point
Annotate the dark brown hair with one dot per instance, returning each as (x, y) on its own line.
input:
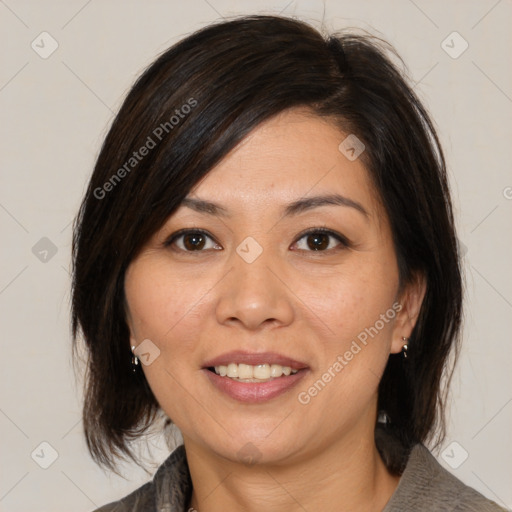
(188, 110)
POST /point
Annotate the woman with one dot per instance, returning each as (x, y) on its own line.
(266, 255)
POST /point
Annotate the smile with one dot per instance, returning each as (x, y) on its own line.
(253, 373)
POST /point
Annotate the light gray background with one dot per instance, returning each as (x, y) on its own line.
(55, 113)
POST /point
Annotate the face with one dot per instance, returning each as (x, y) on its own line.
(267, 284)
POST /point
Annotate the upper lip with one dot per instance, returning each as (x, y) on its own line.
(254, 358)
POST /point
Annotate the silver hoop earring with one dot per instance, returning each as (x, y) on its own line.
(135, 361)
(405, 347)
(383, 418)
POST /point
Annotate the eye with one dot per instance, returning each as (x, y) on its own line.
(190, 240)
(196, 240)
(317, 240)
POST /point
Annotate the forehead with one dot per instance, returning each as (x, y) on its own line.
(292, 155)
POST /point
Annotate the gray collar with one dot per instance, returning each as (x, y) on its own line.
(424, 486)
(173, 485)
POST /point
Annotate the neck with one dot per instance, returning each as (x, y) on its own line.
(347, 475)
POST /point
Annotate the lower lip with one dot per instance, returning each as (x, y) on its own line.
(254, 392)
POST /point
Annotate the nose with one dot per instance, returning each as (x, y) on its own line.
(255, 294)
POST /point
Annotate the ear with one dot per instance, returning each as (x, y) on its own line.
(411, 300)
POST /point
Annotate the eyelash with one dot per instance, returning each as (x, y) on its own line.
(344, 242)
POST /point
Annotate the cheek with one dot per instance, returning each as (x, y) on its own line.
(352, 356)
(167, 311)
(353, 301)
(159, 302)
(364, 311)
(358, 310)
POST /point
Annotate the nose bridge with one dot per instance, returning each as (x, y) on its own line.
(253, 294)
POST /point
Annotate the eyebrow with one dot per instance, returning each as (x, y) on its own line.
(293, 208)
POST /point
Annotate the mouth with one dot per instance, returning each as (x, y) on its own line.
(254, 377)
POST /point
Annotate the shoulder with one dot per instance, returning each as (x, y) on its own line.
(425, 485)
(168, 490)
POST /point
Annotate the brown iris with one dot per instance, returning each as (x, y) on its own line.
(318, 241)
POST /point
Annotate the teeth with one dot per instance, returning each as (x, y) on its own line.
(250, 373)
(232, 370)
(245, 371)
(261, 371)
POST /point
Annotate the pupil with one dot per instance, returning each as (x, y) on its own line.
(197, 241)
(318, 237)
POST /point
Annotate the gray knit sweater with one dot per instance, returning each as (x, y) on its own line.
(425, 486)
